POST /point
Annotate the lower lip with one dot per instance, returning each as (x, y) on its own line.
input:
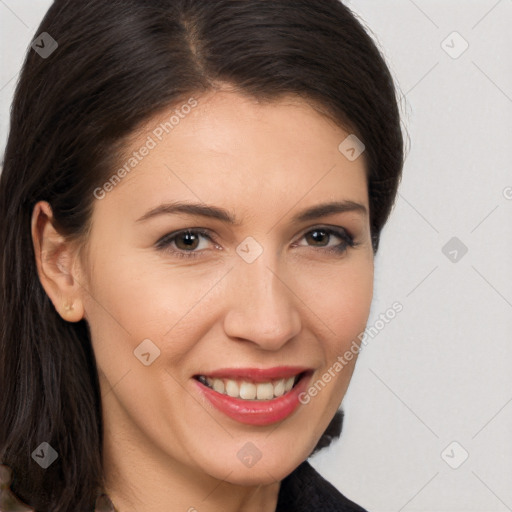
(256, 412)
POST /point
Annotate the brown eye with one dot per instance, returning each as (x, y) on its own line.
(185, 243)
(187, 240)
(321, 236)
(317, 235)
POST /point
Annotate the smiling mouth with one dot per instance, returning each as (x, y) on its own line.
(246, 389)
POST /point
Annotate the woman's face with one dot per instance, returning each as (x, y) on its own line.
(268, 291)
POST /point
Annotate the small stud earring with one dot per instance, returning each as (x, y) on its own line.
(69, 307)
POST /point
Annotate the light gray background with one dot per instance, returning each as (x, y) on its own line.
(440, 372)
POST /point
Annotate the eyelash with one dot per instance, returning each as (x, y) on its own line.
(165, 242)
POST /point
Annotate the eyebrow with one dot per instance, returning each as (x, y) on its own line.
(210, 211)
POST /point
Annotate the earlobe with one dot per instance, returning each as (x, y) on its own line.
(55, 257)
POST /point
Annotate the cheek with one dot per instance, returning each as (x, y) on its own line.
(354, 301)
(341, 299)
(134, 297)
(341, 306)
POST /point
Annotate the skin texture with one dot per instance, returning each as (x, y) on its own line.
(166, 448)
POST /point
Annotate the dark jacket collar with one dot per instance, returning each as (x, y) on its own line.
(305, 490)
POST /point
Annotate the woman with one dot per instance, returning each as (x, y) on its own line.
(191, 202)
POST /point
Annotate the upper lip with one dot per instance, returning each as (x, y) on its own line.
(257, 374)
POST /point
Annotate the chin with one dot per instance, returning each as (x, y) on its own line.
(258, 474)
(274, 465)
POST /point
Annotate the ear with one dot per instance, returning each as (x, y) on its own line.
(56, 260)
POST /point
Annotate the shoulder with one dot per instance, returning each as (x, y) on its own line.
(305, 490)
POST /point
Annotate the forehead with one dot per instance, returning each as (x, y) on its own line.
(232, 148)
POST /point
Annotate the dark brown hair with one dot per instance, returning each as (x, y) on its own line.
(117, 64)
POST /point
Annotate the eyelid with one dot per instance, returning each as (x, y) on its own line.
(339, 231)
(170, 237)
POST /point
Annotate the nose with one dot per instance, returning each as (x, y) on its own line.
(262, 305)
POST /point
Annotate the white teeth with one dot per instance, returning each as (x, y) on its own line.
(247, 391)
(218, 385)
(232, 388)
(289, 384)
(250, 390)
(265, 391)
(279, 388)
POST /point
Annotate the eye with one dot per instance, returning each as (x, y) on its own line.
(319, 234)
(185, 241)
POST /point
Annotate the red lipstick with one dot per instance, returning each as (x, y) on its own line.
(257, 412)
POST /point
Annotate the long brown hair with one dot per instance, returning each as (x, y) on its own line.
(117, 64)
